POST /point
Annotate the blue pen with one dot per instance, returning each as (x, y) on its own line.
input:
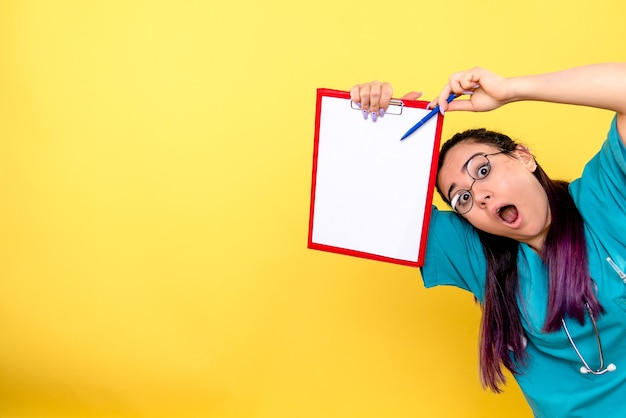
(427, 117)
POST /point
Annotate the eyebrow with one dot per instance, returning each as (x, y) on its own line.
(463, 167)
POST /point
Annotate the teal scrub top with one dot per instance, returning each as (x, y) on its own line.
(552, 382)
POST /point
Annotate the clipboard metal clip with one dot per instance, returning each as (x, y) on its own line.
(395, 107)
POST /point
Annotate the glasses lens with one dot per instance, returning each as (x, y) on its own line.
(462, 202)
(478, 167)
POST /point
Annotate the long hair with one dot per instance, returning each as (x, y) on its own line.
(570, 287)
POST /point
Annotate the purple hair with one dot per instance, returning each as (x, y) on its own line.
(502, 339)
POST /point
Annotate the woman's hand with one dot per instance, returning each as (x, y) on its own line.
(601, 86)
(486, 91)
(374, 97)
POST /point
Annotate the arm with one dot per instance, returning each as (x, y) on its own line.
(598, 85)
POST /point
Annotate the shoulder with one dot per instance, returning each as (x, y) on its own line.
(600, 193)
(454, 254)
(608, 164)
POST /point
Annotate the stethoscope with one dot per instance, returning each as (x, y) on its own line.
(585, 367)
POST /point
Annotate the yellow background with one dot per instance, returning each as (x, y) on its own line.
(155, 169)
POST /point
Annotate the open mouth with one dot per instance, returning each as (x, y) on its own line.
(508, 213)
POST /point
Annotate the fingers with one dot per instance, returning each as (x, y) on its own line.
(486, 91)
(466, 81)
(459, 84)
(373, 98)
(442, 99)
(464, 105)
(455, 105)
(414, 95)
(383, 99)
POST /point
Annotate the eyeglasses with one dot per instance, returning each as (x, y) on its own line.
(478, 167)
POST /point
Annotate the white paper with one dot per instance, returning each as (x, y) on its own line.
(370, 187)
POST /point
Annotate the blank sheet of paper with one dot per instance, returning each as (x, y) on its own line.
(372, 193)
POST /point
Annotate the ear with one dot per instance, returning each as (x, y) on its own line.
(526, 157)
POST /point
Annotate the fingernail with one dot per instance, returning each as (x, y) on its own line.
(374, 116)
(469, 93)
(441, 111)
(365, 114)
(358, 105)
(381, 112)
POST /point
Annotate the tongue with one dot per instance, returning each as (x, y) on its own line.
(509, 214)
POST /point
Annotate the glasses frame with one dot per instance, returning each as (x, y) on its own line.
(469, 190)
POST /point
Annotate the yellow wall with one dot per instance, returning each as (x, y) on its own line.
(155, 168)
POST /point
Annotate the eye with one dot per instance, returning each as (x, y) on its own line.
(462, 201)
(482, 171)
(464, 197)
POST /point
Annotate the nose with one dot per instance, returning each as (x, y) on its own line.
(481, 194)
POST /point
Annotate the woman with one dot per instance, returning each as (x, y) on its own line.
(544, 257)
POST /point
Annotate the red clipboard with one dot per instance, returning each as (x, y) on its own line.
(371, 194)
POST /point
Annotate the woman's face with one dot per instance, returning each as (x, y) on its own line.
(508, 201)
